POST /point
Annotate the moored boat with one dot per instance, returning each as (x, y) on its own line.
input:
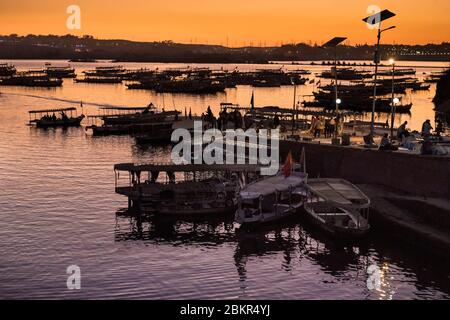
(337, 207)
(32, 78)
(48, 118)
(183, 189)
(271, 199)
(7, 70)
(60, 72)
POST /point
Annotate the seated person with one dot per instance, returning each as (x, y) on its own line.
(386, 145)
(369, 142)
(402, 132)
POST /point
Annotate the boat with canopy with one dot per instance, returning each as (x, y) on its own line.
(338, 207)
(59, 117)
(190, 189)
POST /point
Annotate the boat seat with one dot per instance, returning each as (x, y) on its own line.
(332, 214)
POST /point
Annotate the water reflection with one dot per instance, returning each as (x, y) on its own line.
(296, 249)
(193, 231)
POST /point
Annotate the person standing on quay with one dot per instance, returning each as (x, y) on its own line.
(426, 128)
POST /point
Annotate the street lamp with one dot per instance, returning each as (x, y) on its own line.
(377, 19)
(338, 101)
(333, 43)
(294, 111)
(392, 63)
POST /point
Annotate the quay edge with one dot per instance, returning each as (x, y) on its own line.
(410, 193)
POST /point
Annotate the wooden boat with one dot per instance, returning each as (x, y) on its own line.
(141, 130)
(99, 80)
(271, 199)
(155, 134)
(126, 115)
(398, 72)
(60, 72)
(337, 207)
(31, 78)
(421, 87)
(84, 60)
(146, 123)
(346, 74)
(7, 70)
(106, 72)
(183, 189)
(47, 118)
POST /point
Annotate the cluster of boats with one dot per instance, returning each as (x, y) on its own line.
(172, 80)
(336, 206)
(205, 80)
(355, 89)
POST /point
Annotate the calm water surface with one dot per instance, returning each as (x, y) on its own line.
(58, 208)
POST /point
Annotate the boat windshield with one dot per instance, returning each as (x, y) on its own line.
(250, 204)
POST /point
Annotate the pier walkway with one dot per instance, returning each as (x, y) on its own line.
(419, 221)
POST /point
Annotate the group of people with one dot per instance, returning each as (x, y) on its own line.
(225, 119)
(405, 136)
(327, 127)
(53, 117)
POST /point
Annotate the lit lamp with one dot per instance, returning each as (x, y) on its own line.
(338, 101)
(333, 43)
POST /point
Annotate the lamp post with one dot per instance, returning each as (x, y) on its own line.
(333, 43)
(376, 19)
(392, 63)
(294, 104)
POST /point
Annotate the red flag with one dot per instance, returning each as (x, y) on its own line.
(287, 168)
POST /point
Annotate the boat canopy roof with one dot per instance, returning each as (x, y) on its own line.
(125, 108)
(339, 192)
(273, 184)
(52, 110)
(133, 167)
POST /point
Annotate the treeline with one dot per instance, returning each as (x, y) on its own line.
(87, 47)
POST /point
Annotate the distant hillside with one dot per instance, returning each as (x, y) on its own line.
(87, 47)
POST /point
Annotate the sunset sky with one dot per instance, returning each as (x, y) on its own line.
(236, 22)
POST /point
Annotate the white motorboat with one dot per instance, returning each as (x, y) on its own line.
(271, 199)
(338, 207)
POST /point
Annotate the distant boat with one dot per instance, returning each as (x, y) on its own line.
(83, 60)
(7, 70)
(92, 79)
(338, 207)
(60, 72)
(32, 78)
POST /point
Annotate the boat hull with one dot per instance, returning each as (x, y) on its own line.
(74, 122)
(334, 231)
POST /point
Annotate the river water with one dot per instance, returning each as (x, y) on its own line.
(58, 208)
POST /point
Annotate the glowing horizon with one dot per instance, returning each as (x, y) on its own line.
(232, 23)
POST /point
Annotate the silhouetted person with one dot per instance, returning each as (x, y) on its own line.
(276, 121)
(386, 145)
(402, 132)
(426, 128)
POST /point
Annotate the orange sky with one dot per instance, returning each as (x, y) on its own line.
(240, 21)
